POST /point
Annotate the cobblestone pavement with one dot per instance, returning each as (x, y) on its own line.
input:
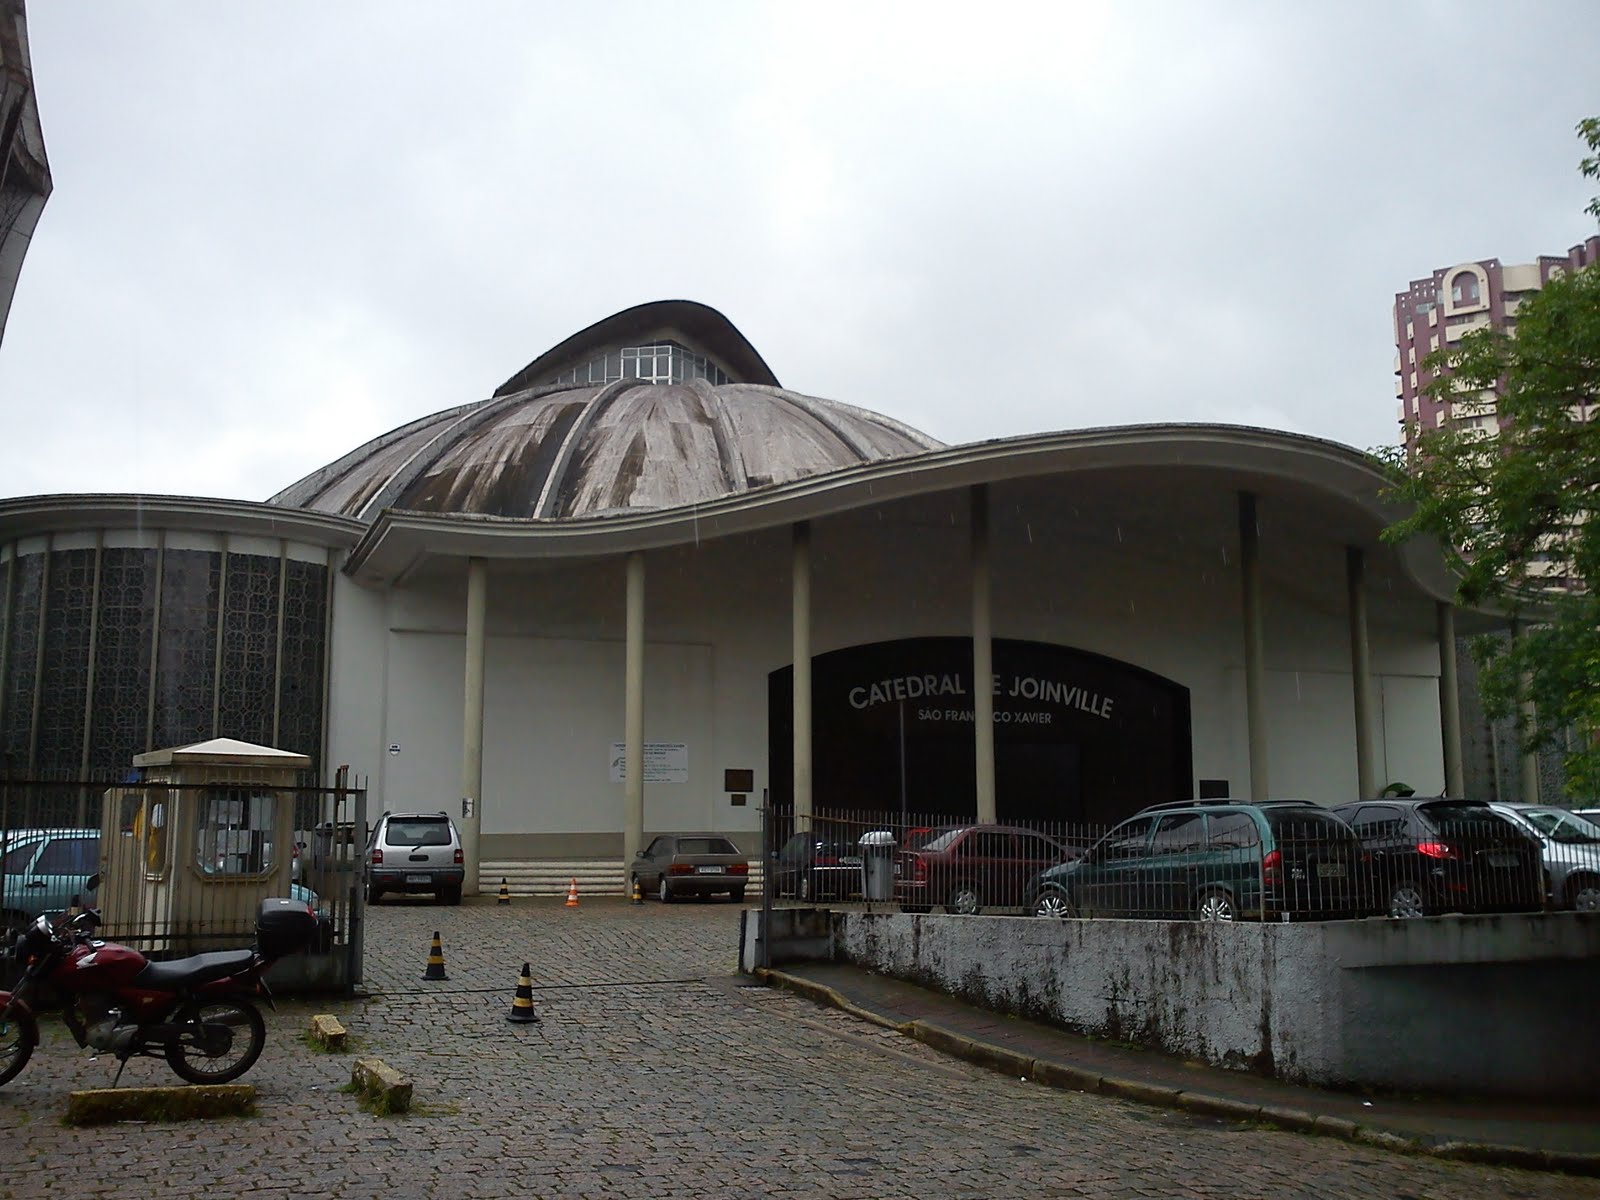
(655, 1074)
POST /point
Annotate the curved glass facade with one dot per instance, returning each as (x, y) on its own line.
(108, 653)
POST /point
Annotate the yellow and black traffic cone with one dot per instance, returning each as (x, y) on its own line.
(522, 1010)
(435, 960)
(638, 896)
(572, 894)
(505, 892)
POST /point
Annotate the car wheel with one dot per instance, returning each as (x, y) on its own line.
(1406, 900)
(964, 900)
(1214, 905)
(1053, 902)
(737, 895)
(374, 894)
(1583, 894)
(663, 892)
(452, 895)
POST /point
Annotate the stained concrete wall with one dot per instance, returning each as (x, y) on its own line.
(1491, 1005)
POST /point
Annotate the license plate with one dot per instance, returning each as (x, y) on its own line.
(709, 870)
(1330, 871)
(850, 862)
(419, 879)
(1502, 860)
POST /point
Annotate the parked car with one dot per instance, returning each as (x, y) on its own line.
(1215, 860)
(44, 869)
(691, 864)
(1571, 852)
(1433, 855)
(415, 852)
(968, 868)
(817, 864)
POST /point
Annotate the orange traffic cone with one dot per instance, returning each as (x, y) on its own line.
(522, 1010)
(572, 894)
(638, 896)
(505, 892)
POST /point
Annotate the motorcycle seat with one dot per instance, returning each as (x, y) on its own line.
(190, 972)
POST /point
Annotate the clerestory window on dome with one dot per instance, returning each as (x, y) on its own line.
(658, 362)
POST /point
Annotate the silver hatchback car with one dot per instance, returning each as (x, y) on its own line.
(415, 852)
(1570, 846)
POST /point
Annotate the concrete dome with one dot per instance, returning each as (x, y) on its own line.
(563, 438)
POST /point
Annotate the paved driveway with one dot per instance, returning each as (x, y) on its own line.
(654, 1074)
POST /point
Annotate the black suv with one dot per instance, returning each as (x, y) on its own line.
(1433, 855)
(1214, 860)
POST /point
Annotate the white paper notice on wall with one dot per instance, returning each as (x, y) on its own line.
(664, 762)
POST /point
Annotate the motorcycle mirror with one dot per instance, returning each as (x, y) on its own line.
(87, 919)
(92, 884)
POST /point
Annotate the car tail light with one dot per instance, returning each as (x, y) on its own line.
(739, 868)
(377, 858)
(919, 868)
(680, 869)
(1272, 867)
(1437, 850)
(825, 860)
(458, 859)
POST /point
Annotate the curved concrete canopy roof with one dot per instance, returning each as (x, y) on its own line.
(558, 451)
(1335, 489)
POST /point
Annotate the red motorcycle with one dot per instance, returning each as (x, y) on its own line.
(197, 1012)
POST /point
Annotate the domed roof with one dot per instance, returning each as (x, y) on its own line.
(660, 406)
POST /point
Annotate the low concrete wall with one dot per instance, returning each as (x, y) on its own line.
(1495, 1005)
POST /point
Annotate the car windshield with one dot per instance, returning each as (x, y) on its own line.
(1303, 823)
(419, 831)
(1559, 825)
(1466, 818)
(942, 839)
(706, 845)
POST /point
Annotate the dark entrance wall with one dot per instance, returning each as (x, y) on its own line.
(1078, 737)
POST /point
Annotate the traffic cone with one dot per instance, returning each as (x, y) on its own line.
(435, 960)
(505, 892)
(638, 896)
(572, 894)
(522, 1011)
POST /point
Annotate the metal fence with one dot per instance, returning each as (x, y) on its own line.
(183, 867)
(1218, 862)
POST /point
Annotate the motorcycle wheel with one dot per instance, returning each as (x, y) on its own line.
(248, 1034)
(19, 1034)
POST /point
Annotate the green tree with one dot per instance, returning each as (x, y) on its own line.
(1518, 502)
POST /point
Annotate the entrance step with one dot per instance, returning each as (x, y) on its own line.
(550, 877)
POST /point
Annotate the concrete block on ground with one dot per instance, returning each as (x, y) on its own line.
(328, 1032)
(387, 1089)
(101, 1105)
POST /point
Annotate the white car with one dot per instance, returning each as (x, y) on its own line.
(1571, 849)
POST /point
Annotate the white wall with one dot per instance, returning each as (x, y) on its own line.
(718, 620)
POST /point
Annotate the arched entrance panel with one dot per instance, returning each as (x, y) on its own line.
(1078, 737)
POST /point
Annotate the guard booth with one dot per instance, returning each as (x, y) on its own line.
(188, 854)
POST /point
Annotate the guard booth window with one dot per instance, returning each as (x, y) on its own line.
(234, 832)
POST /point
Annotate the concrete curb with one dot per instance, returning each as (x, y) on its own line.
(1055, 1073)
(200, 1102)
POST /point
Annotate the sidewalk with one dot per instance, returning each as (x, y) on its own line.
(1510, 1133)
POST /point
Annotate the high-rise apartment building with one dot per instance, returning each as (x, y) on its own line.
(1439, 310)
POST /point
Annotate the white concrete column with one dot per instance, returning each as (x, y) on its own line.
(1355, 563)
(1255, 684)
(1455, 780)
(470, 819)
(982, 657)
(801, 700)
(633, 717)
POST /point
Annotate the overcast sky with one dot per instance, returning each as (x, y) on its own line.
(281, 229)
